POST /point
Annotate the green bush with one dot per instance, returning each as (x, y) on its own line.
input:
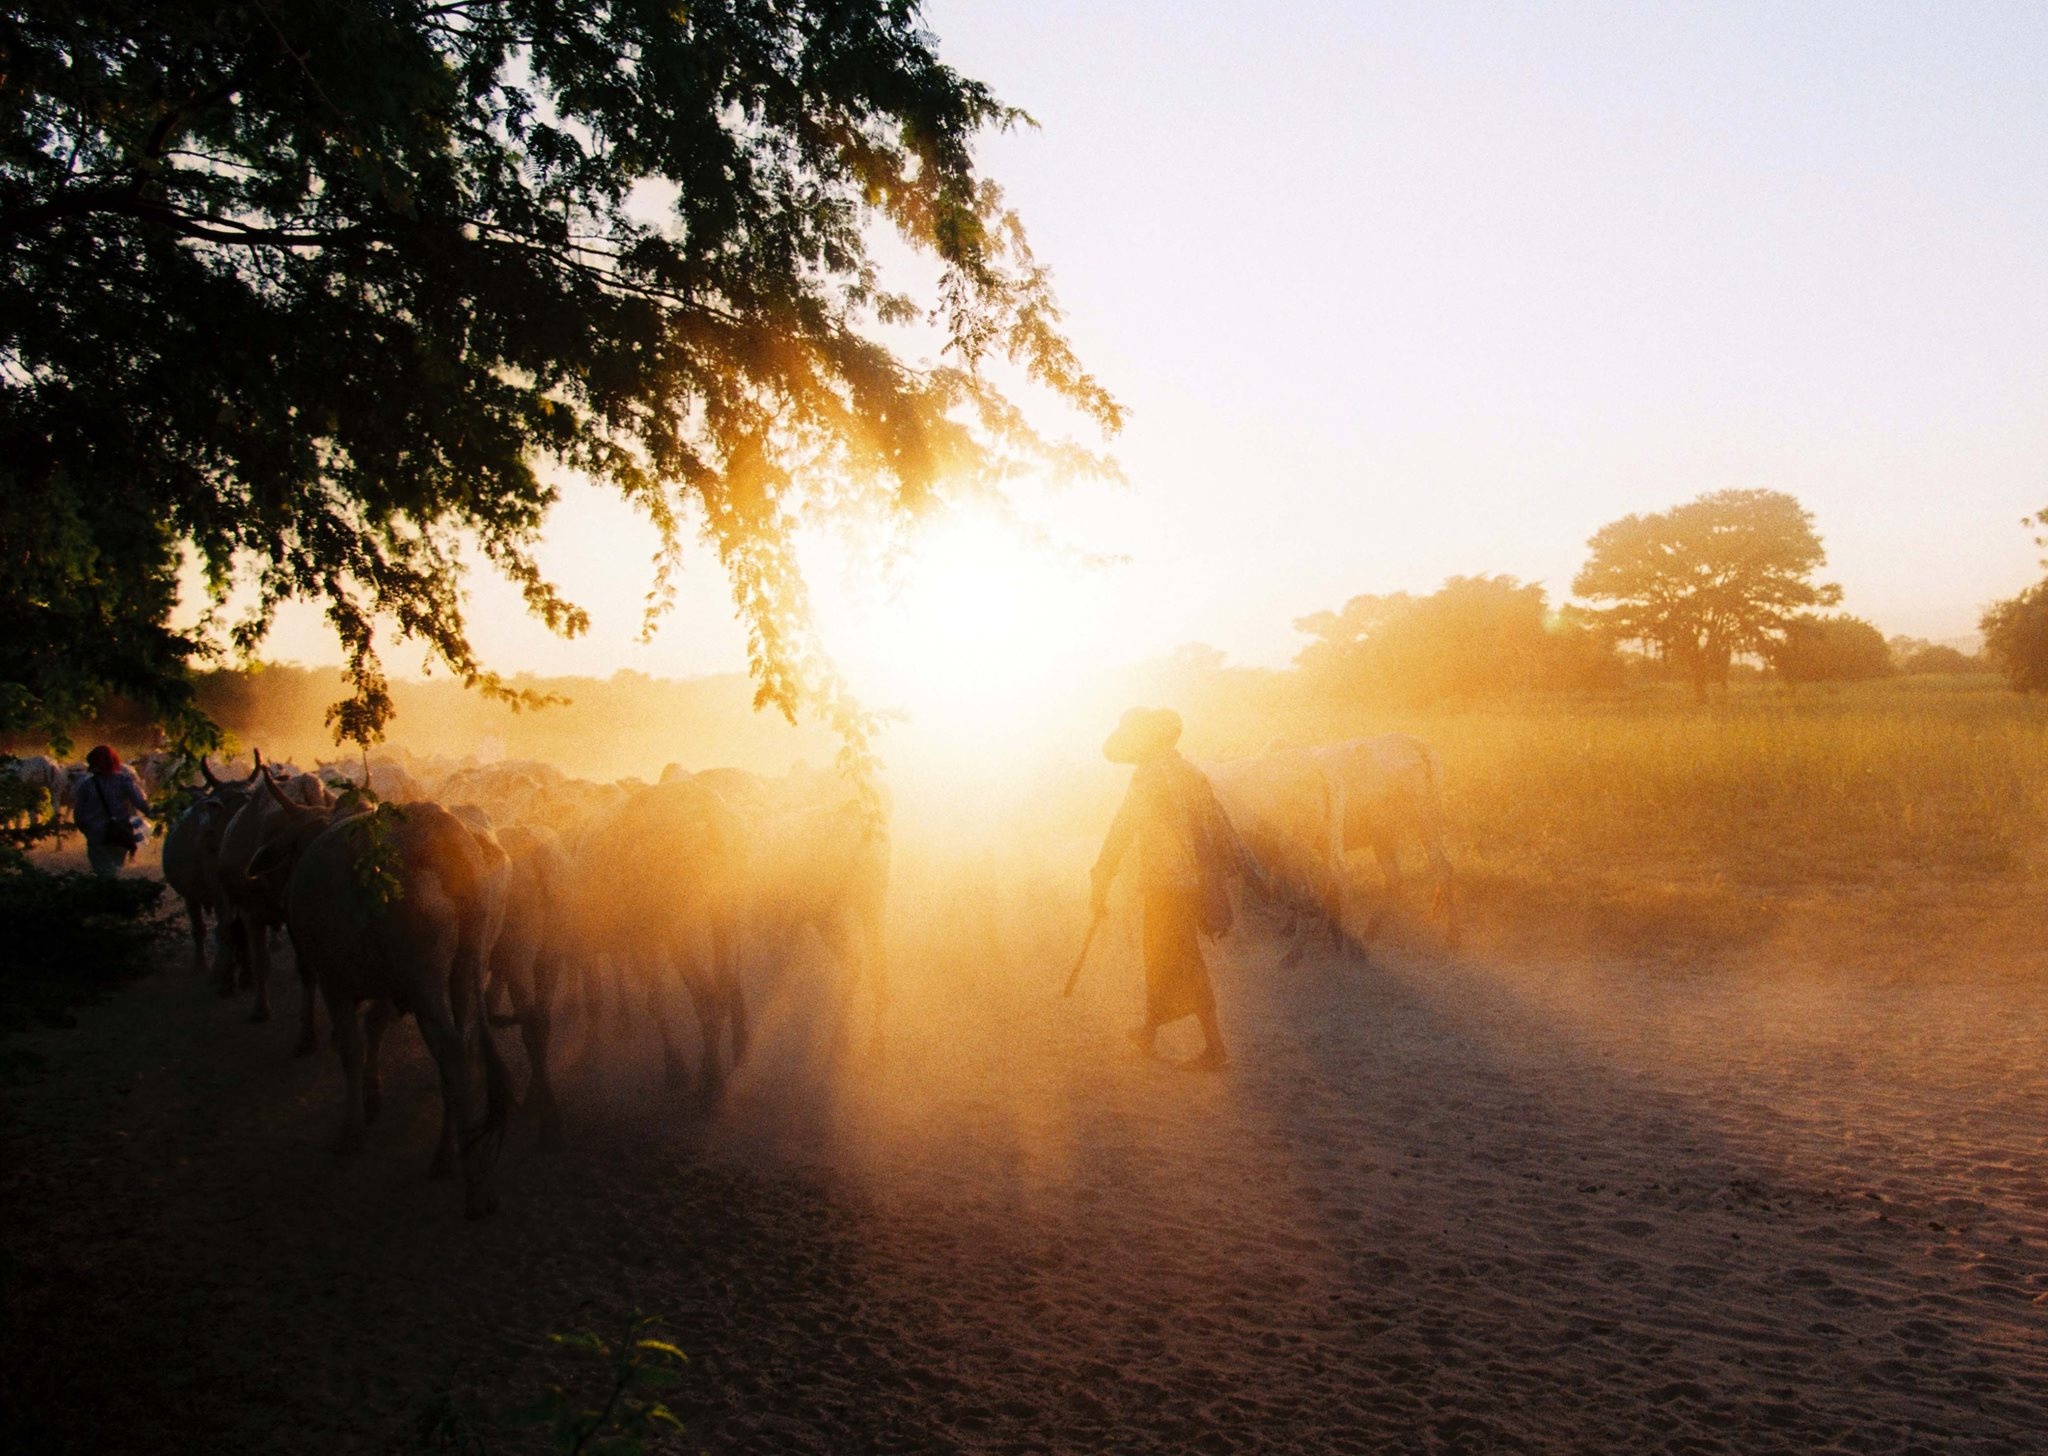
(70, 937)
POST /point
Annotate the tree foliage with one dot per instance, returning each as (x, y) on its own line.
(2016, 638)
(1838, 648)
(1475, 637)
(326, 292)
(1916, 656)
(1708, 581)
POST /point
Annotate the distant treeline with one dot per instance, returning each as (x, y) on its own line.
(1474, 641)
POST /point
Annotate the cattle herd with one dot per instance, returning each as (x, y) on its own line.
(470, 896)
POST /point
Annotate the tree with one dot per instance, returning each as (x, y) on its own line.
(2016, 638)
(1916, 657)
(1705, 582)
(1477, 636)
(323, 292)
(2016, 629)
(1840, 648)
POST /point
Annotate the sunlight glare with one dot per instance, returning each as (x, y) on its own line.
(985, 633)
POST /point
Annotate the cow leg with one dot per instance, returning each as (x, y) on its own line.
(231, 939)
(349, 1046)
(534, 1006)
(675, 1072)
(846, 939)
(445, 1043)
(309, 1032)
(1388, 853)
(474, 1088)
(709, 1005)
(259, 966)
(197, 916)
(732, 999)
(377, 1020)
(1443, 897)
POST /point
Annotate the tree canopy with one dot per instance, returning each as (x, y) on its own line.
(1475, 637)
(324, 292)
(1838, 648)
(1708, 581)
(2016, 629)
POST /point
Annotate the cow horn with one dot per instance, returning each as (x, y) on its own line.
(256, 772)
(207, 773)
(270, 783)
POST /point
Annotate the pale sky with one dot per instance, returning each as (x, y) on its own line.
(1400, 291)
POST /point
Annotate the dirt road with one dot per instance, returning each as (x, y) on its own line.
(1432, 1207)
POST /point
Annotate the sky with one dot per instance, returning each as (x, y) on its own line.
(1397, 292)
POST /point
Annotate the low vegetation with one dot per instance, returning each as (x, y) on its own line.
(70, 938)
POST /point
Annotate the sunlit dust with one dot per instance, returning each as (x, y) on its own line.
(982, 632)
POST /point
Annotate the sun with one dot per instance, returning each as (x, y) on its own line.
(986, 632)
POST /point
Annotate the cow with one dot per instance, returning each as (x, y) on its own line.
(527, 962)
(657, 887)
(45, 773)
(401, 908)
(1280, 803)
(385, 778)
(1301, 811)
(819, 860)
(270, 830)
(190, 854)
(1386, 789)
(156, 770)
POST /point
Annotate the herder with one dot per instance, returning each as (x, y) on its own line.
(1187, 852)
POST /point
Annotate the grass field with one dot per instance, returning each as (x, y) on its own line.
(1643, 821)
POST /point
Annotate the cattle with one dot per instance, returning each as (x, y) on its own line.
(1386, 789)
(250, 906)
(1280, 803)
(385, 778)
(513, 790)
(1302, 810)
(156, 770)
(819, 860)
(656, 889)
(528, 961)
(401, 908)
(251, 903)
(45, 773)
(190, 857)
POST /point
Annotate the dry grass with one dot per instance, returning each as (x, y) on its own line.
(1648, 827)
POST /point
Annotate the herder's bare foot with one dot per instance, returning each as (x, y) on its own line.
(1212, 1059)
(1141, 1039)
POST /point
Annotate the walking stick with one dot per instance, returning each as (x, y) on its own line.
(1082, 959)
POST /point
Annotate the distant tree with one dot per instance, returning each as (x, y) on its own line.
(323, 293)
(1707, 581)
(1475, 637)
(2016, 630)
(1916, 656)
(1831, 649)
(2016, 638)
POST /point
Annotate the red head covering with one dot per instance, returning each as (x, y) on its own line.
(103, 760)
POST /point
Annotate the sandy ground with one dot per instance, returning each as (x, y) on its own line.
(1482, 1205)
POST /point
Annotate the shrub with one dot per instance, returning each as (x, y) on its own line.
(71, 937)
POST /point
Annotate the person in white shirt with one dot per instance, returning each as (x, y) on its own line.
(108, 807)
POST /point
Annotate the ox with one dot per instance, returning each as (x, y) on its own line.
(657, 885)
(250, 902)
(1302, 810)
(185, 855)
(45, 773)
(820, 860)
(402, 908)
(531, 953)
